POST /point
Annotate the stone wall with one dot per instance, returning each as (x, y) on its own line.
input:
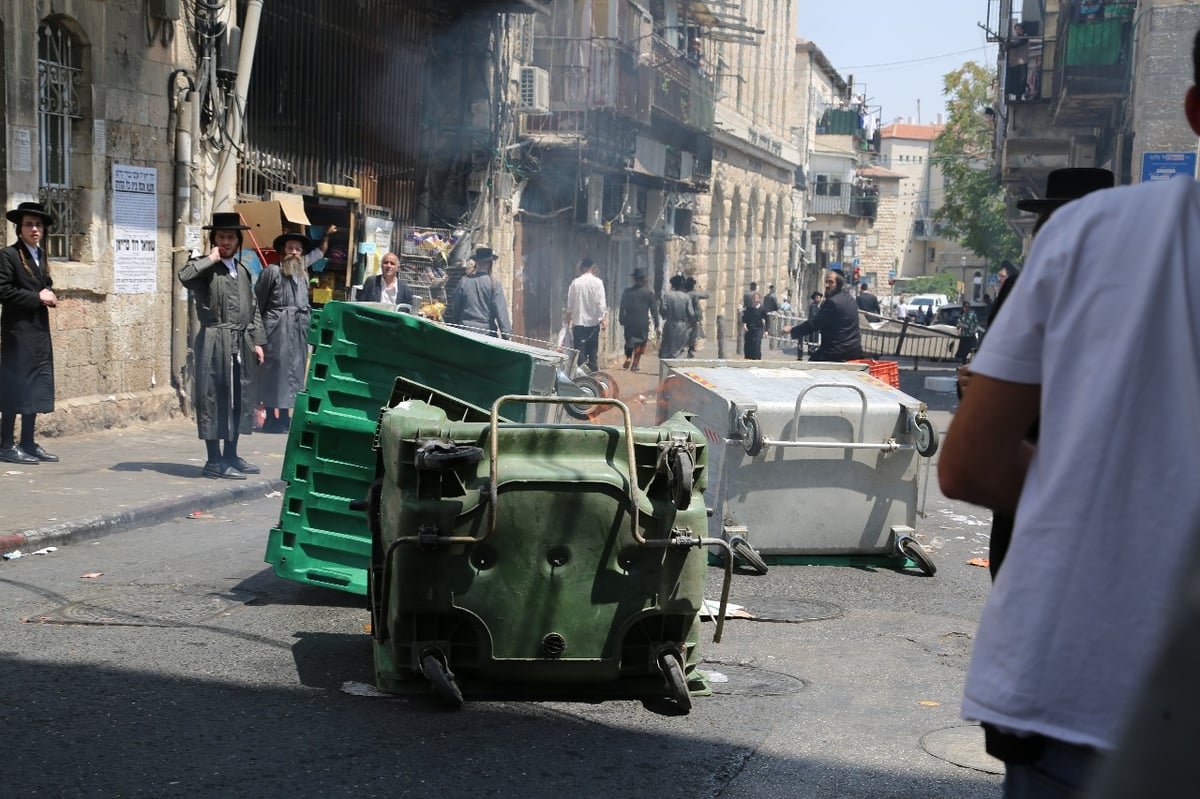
(112, 351)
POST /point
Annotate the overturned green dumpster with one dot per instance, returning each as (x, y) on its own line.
(536, 560)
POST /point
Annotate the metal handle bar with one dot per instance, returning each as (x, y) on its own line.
(862, 419)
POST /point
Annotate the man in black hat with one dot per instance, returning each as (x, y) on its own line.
(836, 320)
(26, 352)
(479, 301)
(283, 305)
(638, 307)
(228, 349)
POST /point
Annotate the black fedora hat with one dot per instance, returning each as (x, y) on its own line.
(226, 220)
(639, 274)
(1064, 185)
(483, 255)
(17, 214)
(308, 244)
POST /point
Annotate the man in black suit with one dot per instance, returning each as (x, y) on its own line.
(26, 353)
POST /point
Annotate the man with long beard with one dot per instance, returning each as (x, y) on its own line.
(282, 294)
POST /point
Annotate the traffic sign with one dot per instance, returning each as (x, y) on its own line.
(892, 274)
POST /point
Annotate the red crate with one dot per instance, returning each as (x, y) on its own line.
(887, 371)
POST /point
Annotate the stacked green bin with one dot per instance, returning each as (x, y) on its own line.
(536, 560)
(358, 352)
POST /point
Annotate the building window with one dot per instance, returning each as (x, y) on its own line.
(59, 76)
(829, 185)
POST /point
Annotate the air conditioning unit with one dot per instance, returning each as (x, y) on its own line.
(535, 91)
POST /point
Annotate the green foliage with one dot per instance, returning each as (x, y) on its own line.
(944, 283)
(974, 208)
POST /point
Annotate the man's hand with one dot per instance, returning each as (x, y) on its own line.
(258, 353)
(214, 254)
(47, 297)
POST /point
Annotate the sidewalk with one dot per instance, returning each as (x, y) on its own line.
(116, 480)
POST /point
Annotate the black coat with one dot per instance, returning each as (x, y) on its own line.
(372, 291)
(837, 322)
(638, 307)
(868, 302)
(26, 352)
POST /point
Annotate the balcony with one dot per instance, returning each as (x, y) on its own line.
(682, 93)
(1093, 65)
(842, 199)
(593, 75)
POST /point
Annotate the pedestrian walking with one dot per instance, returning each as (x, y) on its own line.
(867, 301)
(283, 305)
(1051, 708)
(26, 350)
(638, 308)
(479, 301)
(228, 349)
(754, 324)
(968, 332)
(837, 322)
(678, 317)
(697, 331)
(587, 313)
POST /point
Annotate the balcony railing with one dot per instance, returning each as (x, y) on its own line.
(1093, 59)
(844, 200)
(682, 92)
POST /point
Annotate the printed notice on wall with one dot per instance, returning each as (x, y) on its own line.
(135, 229)
(22, 150)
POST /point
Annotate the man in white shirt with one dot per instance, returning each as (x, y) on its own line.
(1108, 510)
(587, 313)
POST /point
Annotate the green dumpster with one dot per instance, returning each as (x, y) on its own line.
(359, 350)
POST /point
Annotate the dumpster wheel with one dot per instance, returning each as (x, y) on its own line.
(592, 388)
(682, 479)
(927, 436)
(442, 680)
(913, 551)
(743, 552)
(672, 670)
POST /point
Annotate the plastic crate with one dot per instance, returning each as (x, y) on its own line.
(887, 371)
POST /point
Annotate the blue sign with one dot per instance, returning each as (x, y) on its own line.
(1164, 166)
(891, 274)
(855, 262)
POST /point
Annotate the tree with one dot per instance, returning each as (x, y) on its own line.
(974, 208)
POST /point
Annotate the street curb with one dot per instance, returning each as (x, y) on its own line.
(146, 515)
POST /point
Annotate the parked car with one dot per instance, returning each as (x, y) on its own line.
(922, 302)
(950, 314)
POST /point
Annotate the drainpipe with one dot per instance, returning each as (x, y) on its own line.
(186, 123)
(225, 195)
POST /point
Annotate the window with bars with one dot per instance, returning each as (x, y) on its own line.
(59, 74)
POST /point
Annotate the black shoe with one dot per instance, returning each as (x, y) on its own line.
(221, 471)
(242, 465)
(41, 454)
(17, 455)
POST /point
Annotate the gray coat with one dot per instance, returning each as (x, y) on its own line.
(479, 304)
(26, 352)
(678, 314)
(230, 329)
(283, 306)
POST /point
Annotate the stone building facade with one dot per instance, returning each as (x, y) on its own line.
(86, 94)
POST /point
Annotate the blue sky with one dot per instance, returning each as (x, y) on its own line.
(898, 52)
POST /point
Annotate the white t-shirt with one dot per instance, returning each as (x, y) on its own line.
(586, 302)
(1106, 318)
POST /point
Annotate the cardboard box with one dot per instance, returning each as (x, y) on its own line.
(267, 220)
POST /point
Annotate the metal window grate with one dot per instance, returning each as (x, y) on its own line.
(59, 75)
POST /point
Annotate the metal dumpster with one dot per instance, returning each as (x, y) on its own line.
(806, 458)
(516, 559)
(359, 349)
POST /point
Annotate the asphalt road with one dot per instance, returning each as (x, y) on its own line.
(188, 669)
